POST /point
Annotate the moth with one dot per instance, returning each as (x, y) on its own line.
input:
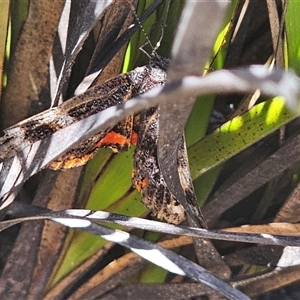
(141, 130)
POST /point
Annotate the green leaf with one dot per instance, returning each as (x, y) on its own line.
(238, 134)
(293, 37)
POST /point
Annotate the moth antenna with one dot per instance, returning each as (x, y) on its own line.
(144, 51)
(153, 53)
(163, 24)
(161, 37)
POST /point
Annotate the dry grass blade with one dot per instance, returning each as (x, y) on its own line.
(283, 159)
(110, 276)
(40, 27)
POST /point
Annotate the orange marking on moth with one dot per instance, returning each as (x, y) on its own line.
(134, 138)
(113, 138)
(140, 185)
(70, 163)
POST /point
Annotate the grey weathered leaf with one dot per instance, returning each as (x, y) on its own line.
(191, 49)
(34, 157)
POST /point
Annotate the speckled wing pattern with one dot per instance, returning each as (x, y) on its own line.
(147, 177)
(112, 92)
